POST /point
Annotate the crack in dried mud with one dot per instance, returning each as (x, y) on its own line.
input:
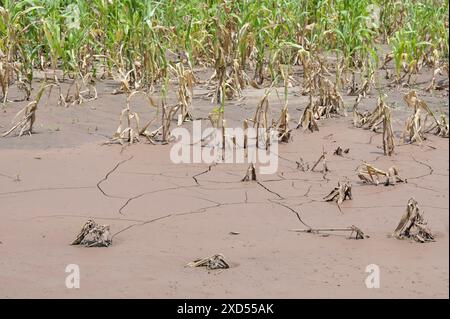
(105, 178)
(293, 211)
(204, 172)
(430, 172)
(191, 212)
(269, 190)
(46, 189)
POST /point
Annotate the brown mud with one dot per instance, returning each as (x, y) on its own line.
(164, 215)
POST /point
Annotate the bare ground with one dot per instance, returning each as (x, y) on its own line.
(162, 217)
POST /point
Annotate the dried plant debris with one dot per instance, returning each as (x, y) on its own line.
(216, 261)
(439, 85)
(340, 151)
(316, 83)
(369, 174)
(251, 174)
(360, 118)
(261, 119)
(129, 128)
(301, 165)
(416, 125)
(282, 126)
(413, 225)
(330, 100)
(186, 81)
(441, 127)
(340, 193)
(370, 120)
(355, 232)
(307, 120)
(381, 115)
(413, 131)
(93, 235)
(27, 116)
(388, 133)
(322, 159)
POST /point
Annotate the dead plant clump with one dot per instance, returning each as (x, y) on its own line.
(7, 71)
(282, 126)
(440, 85)
(307, 120)
(261, 120)
(129, 128)
(380, 115)
(83, 88)
(370, 120)
(330, 100)
(186, 81)
(327, 102)
(340, 193)
(25, 118)
(229, 73)
(416, 125)
(369, 174)
(162, 134)
(216, 261)
(413, 225)
(93, 235)
(250, 175)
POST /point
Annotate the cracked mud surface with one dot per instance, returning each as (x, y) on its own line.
(163, 215)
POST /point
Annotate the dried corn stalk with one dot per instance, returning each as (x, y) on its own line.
(330, 100)
(359, 118)
(432, 85)
(315, 83)
(129, 128)
(27, 115)
(282, 126)
(322, 159)
(186, 81)
(441, 128)
(260, 120)
(93, 235)
(307, 120)
(340, 193)
(7, 70)
(85, 91)
(374, 119)
(388, 134)
(412, 225)
(167, 117)
(229, 70)
(369, 174)
(413, 131)
(416, 124)
(216, 261)
(250, 175)
(355, 232)
(381, 115)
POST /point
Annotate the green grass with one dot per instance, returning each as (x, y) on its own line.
(90, 37)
